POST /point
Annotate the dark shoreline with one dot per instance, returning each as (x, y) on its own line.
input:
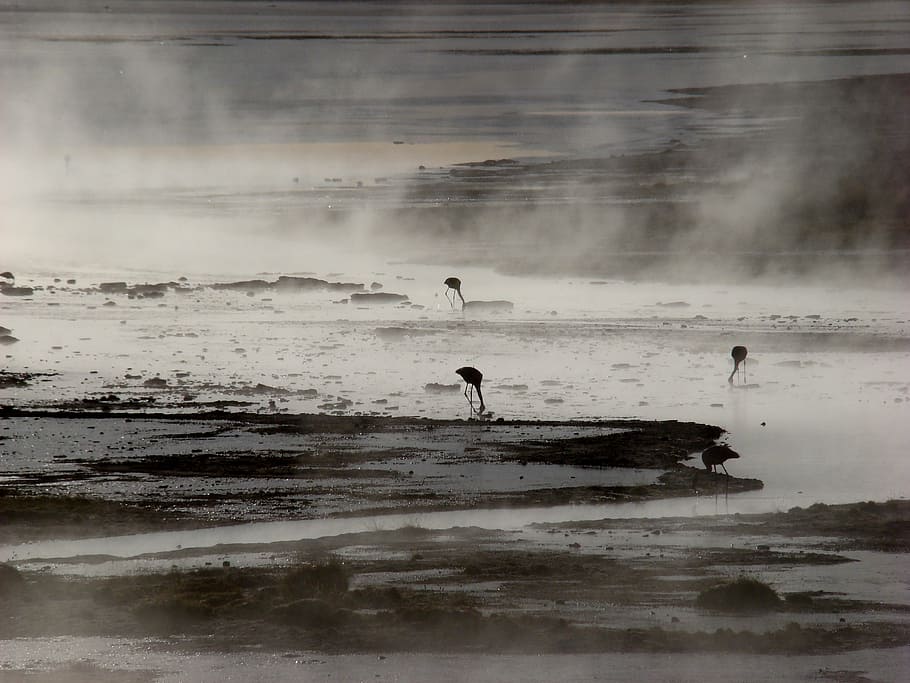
(311, 600)
(316, 471)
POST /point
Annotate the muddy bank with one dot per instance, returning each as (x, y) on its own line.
(572, 589)
(134, 471)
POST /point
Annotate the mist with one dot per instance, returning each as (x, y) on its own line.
(643, 143)
(233, 421)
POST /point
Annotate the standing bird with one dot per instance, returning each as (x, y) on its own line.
(739, 354)
(472, 378)
(453, 283)
(715, 456)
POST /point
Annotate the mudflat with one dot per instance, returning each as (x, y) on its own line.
(604, 585)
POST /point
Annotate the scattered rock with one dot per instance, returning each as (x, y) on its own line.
(298, 284)
(378, 298)
(13, 379)
(244, 285)
(266, 389)
(16, 291)
(340, 404)
(434, 388)
(155, 383)
(7, 339)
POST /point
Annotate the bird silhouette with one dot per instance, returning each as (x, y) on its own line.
(715, 456)
(712, 457)
(472, 378)
(453, 283)
(739, 354)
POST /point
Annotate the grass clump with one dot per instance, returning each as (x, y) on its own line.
(328, 580)
(741, 595)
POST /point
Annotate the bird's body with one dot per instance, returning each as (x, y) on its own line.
(739, 354)
(715, 456)
(455, 284)
(472, 377)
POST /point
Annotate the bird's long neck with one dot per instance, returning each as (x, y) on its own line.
(480, 396)
(458, 291)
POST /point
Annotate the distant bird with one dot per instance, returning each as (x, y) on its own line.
(472, 378)
(453, 283)
(715, 456)
(739, 354)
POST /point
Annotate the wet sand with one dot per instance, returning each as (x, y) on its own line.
(148, 471)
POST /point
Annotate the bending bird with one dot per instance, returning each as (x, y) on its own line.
(739, 354)
(472, 378)
(715, 456)
(453, 283)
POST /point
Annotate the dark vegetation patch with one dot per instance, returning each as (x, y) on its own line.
(10, 380)
(741, 595)
(312, 606)
(851, 526)
(27, 516)
(644, 444)
(867, 526)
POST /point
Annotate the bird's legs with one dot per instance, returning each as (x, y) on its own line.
(471, 397)
(452, 300)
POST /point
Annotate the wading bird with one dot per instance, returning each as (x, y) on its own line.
(715, 456)
(453, 283)
(739, 354)
(472, 378)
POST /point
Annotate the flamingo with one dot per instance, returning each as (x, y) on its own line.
(715, 456)
(472, 378)
(739, 354)
(453, 283)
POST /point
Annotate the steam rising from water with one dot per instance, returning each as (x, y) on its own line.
(171, 137)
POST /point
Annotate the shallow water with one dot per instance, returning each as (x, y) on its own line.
(825, 372)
